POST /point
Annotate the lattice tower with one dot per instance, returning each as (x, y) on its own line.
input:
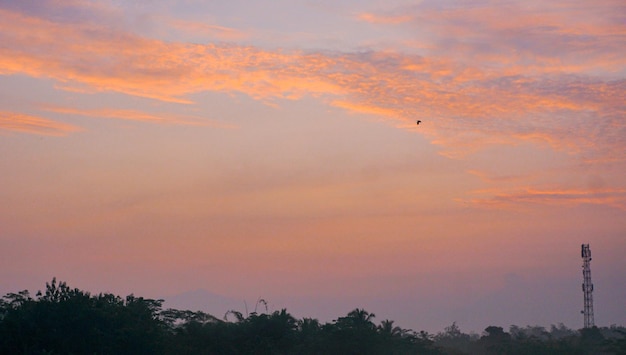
(587, 286)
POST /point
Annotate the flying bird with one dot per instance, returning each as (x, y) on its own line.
(418, 122)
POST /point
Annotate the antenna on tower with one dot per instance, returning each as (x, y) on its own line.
(585, 253)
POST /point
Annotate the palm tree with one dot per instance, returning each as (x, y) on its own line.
(360, 318)
(387, 329)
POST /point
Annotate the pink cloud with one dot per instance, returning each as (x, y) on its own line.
(524, 37)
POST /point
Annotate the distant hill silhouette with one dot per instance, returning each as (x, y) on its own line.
(203, 300)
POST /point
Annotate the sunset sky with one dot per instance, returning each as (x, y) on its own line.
(269, 148)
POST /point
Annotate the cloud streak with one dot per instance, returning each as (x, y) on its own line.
(562, 197)
(196, 28)
(378, 19)
(18, 122)
(135, 115)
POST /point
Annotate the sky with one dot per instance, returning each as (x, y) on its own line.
(237, 150)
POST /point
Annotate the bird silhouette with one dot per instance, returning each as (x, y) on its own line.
(418, 122)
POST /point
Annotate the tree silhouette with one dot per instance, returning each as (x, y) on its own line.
(495, 341)
(69, 321)
(454, 341)
(64, 320)
(387, 329)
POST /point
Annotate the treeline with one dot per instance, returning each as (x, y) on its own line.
(62, 320)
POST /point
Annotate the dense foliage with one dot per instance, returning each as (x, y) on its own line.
(63, 320)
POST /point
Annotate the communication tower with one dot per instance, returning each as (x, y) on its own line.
(585, 253)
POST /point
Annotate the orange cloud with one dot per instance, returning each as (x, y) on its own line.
(499, 178)
(366, 109)
(96, 58)
(18, 122)
(394, 20)
(468, 104)
(135, 115)
(610, 197)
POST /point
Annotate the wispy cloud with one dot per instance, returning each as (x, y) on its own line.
(490, 178)
(521, 35)
(18, 122)
(135, 115)
(214, 32)
(610, 197)
(384, 19)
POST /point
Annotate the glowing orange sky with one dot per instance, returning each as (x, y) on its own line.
(270, 148)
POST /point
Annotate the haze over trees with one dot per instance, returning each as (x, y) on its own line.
(64, 320)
